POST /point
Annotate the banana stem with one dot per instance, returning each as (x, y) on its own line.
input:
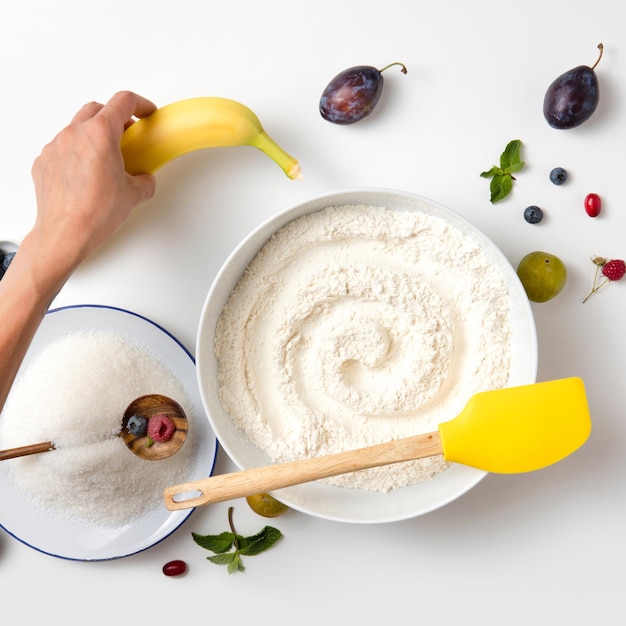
(287, 163)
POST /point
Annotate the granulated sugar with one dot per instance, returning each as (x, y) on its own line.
(357, 325)
(74, 393)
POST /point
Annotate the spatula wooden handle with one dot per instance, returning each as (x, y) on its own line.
(34, 448)
(263, 479)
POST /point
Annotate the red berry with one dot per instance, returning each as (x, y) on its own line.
(593, 204)
(160, 428)
(614, 270)
(175, 568)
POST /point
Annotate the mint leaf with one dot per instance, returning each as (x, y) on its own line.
(515, 167)
(500, 187)
(511, 156)
(260, 542)
(222, 559)
(229, 547)
(215, 543)
(235, 565)
(494, 171)
(502, 178)
(232, 560)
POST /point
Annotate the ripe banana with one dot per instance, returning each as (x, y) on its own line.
(195, 124)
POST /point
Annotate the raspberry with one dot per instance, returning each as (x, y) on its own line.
(611, 270)
(614, 270)
(160, 428)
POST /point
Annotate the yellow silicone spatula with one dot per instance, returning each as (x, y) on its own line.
(506, 431)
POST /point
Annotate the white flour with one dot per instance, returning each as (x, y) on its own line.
(357, 325)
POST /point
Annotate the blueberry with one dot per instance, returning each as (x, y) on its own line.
(533, 214)
(558, 175)
(137, 425)
(6, 260)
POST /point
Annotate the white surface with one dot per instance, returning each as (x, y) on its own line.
(542, 548)
(73, 539)
(328, 501)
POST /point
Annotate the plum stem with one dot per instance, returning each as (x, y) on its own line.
(601, 48)
(403, 70)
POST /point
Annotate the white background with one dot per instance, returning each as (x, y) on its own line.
(541, 548)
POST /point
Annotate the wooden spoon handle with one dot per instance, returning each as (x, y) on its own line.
(34, 448)
(262, 479)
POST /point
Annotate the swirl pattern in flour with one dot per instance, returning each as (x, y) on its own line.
(356, 325)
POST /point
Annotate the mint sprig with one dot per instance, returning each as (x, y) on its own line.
(502, 177)
(229, 547)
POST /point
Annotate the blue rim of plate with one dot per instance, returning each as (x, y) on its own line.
(180, 516)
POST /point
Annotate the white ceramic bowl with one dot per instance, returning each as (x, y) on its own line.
(317, 498)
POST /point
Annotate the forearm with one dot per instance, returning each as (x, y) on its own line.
(84, 194)
(26, 292)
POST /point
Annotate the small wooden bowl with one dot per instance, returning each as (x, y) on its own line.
(148, 406)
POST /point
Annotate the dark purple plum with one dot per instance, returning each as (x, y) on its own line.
(353, 94)
(572, 97)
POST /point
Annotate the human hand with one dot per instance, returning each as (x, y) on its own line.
(83, 195)
(83, 192)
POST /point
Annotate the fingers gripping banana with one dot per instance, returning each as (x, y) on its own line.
(195, 124)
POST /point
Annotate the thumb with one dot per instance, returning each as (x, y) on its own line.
(144, 186)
